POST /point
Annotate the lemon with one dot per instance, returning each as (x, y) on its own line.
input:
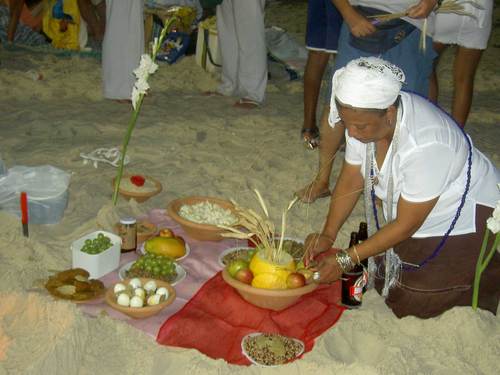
(281, 270)
(268, 281)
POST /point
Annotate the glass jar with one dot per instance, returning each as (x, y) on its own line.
(128, 233)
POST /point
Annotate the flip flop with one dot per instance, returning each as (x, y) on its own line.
(246, 103)
(313, 141)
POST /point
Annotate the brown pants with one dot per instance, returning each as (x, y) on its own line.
(447, 280)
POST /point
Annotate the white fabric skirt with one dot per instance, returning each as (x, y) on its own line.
(465, 31)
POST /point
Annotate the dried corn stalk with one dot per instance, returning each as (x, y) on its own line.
(251, 225)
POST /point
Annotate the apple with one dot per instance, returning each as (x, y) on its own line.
(165, 232)
(244, 275)
(295, 280)
(235, 266)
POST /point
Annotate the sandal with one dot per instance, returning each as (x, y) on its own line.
(310, 137)
(247, 103)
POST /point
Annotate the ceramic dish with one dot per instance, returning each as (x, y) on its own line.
(141, 312)
(142, 251)
(181, 273)
(252, 335)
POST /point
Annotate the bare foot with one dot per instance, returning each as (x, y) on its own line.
(313, 191)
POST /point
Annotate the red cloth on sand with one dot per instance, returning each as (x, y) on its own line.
(215, 320)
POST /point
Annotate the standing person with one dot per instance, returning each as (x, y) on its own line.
(240, 27)
(470, 34)
(94, 14)
(122, 47)
(396, 41)
(436, 188)
(322, 33)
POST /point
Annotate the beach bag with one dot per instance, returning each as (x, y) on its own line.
(210, 3)
(174, 47)
(388, 34)
(61, 23)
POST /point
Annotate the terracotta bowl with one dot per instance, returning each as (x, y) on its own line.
(201, 232)
(272, 299)
(138, 196)
(140, 312)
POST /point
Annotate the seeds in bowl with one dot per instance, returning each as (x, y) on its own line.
(244, 254)
(207, 213)
(272, 349)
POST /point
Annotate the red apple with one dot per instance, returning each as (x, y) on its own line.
(295, 280)
(244, 275)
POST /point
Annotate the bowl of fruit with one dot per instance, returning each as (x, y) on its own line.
(272, 285)
(166, 243)
(140, 297)
(200, 217)
(138, 187)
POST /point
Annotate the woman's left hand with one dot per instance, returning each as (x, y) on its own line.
(329, 270)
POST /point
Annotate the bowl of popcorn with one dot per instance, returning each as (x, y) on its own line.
(200, 217)
(140, 298)
(138, 187)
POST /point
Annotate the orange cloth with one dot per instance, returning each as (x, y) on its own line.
(215, 320)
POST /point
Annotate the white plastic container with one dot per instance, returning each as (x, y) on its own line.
(97, 265)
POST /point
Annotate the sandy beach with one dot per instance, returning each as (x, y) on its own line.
(198, 145)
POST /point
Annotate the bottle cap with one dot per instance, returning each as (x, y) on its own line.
(128, 220)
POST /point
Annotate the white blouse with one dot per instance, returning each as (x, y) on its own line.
(432, 161)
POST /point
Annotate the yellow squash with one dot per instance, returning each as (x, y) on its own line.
(166, 246)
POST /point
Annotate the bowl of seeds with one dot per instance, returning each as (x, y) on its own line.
(270, 349)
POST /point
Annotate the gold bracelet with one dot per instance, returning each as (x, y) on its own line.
(357, 255)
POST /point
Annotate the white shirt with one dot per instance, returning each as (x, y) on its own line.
(431, 161)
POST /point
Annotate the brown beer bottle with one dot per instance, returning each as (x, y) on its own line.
(353, 282)
(362, 236)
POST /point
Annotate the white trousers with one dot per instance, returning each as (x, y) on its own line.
(122, 47)
(242, 42)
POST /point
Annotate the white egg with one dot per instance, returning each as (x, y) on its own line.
(136, 302)
(150, 286)
(154, 299)
(139, 292)
(123, 299)
(135, 283)
(162, 291)
(119, 288)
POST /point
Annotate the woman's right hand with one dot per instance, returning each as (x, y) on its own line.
(315, 244)
(359, 25)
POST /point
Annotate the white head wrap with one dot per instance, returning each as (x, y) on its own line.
(367, 82)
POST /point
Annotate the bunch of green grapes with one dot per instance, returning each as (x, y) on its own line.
(97, 245)
(154, 266)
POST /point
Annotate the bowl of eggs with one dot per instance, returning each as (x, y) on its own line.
(140, 298)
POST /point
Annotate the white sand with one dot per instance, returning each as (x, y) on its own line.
(197, 145)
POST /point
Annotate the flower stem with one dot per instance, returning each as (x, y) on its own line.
(135, 114)
(477, 276)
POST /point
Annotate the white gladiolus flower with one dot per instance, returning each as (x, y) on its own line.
(147, 64)
(142, 86)
(135, 97)
(493, 225)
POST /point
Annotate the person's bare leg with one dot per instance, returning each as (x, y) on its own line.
(464, 71)
(433, 82)
(14, 13)
(313, 76)
(89, 15)
(331, 139)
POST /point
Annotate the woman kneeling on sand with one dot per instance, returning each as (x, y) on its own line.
(436, 189)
